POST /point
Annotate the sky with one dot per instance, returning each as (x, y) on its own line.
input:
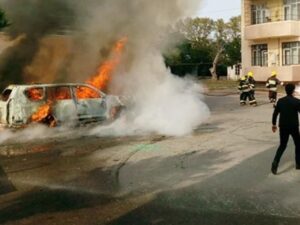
(217, 9)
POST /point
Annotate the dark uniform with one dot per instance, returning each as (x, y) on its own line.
(244, 88)
(288, 107)
(252, 99)
(272, 84)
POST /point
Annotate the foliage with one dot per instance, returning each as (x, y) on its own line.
(206, 43)
(233, 46)
(197, 31)
(3, 21)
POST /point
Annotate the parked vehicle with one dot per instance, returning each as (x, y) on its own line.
(66, 103)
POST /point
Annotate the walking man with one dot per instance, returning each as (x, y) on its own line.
(288, 107)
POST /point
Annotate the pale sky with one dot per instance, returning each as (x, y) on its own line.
(217, 9)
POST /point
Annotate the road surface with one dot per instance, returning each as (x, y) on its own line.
(220, 174)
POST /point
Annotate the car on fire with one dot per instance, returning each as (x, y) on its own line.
(56, 104)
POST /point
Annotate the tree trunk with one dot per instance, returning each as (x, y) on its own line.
(213, 69)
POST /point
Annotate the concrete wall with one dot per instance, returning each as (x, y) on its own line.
(232, 73)
(274, 42)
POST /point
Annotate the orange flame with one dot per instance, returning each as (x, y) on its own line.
(100, 81)
(103, 76)
(44, 115)
(35, 94)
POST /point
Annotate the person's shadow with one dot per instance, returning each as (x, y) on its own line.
(5, 185)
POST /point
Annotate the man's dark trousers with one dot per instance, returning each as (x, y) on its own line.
(284, 137)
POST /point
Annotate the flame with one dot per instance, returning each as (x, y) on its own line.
(35, 94)
(44, 115)
(103, 76)
(61, 94)
(100, 81)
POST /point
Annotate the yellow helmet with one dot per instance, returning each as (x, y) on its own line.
(273, 73)
(250, 74)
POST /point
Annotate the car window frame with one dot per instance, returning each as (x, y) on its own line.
(35, 87)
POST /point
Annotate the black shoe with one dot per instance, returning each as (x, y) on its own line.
(274, 168)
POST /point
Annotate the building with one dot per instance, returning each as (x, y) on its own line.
(234, 72)
(271, 38)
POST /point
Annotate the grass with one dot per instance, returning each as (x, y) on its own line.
(220, 84)
(223, 84)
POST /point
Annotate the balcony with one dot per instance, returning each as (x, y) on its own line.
(289, 28)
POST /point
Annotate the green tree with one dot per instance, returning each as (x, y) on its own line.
(192, 51)
(197, 31)
(233, 46)
(3, 21)
(220, 31)
(209, 42)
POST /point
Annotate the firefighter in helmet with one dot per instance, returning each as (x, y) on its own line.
(271, 84)
(244, 88)
(251, 95)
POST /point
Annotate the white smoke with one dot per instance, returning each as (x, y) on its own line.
(162, 103)
(33, 132)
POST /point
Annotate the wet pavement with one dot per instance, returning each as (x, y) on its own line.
(218, 175)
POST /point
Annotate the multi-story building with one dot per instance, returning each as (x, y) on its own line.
(271, 38)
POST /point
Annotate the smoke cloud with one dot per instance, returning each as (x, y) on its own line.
(31, 21)
(161, 102)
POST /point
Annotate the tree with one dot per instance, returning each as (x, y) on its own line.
(233, 46)
(3, 21)
(209, 42)
(192, 52)
(197, 31)
(220, 38)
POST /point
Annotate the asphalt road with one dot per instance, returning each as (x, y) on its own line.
(220, 174)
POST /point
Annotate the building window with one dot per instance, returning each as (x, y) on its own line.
(291, 53)
(291, 9)
(259, 14)
(259, 55)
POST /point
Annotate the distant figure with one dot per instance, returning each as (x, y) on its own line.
(288, 107)
(272, 84)
(252, 82)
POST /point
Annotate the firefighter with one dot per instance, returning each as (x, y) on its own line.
(244, 88)
(272, 83)
(251, 95)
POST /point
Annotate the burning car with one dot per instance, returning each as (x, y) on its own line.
(55, 104)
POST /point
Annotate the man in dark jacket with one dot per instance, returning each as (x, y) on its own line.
(288, 107)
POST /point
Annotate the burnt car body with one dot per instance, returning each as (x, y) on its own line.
(69, 105)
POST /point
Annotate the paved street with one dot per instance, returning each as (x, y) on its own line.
(218, 175)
